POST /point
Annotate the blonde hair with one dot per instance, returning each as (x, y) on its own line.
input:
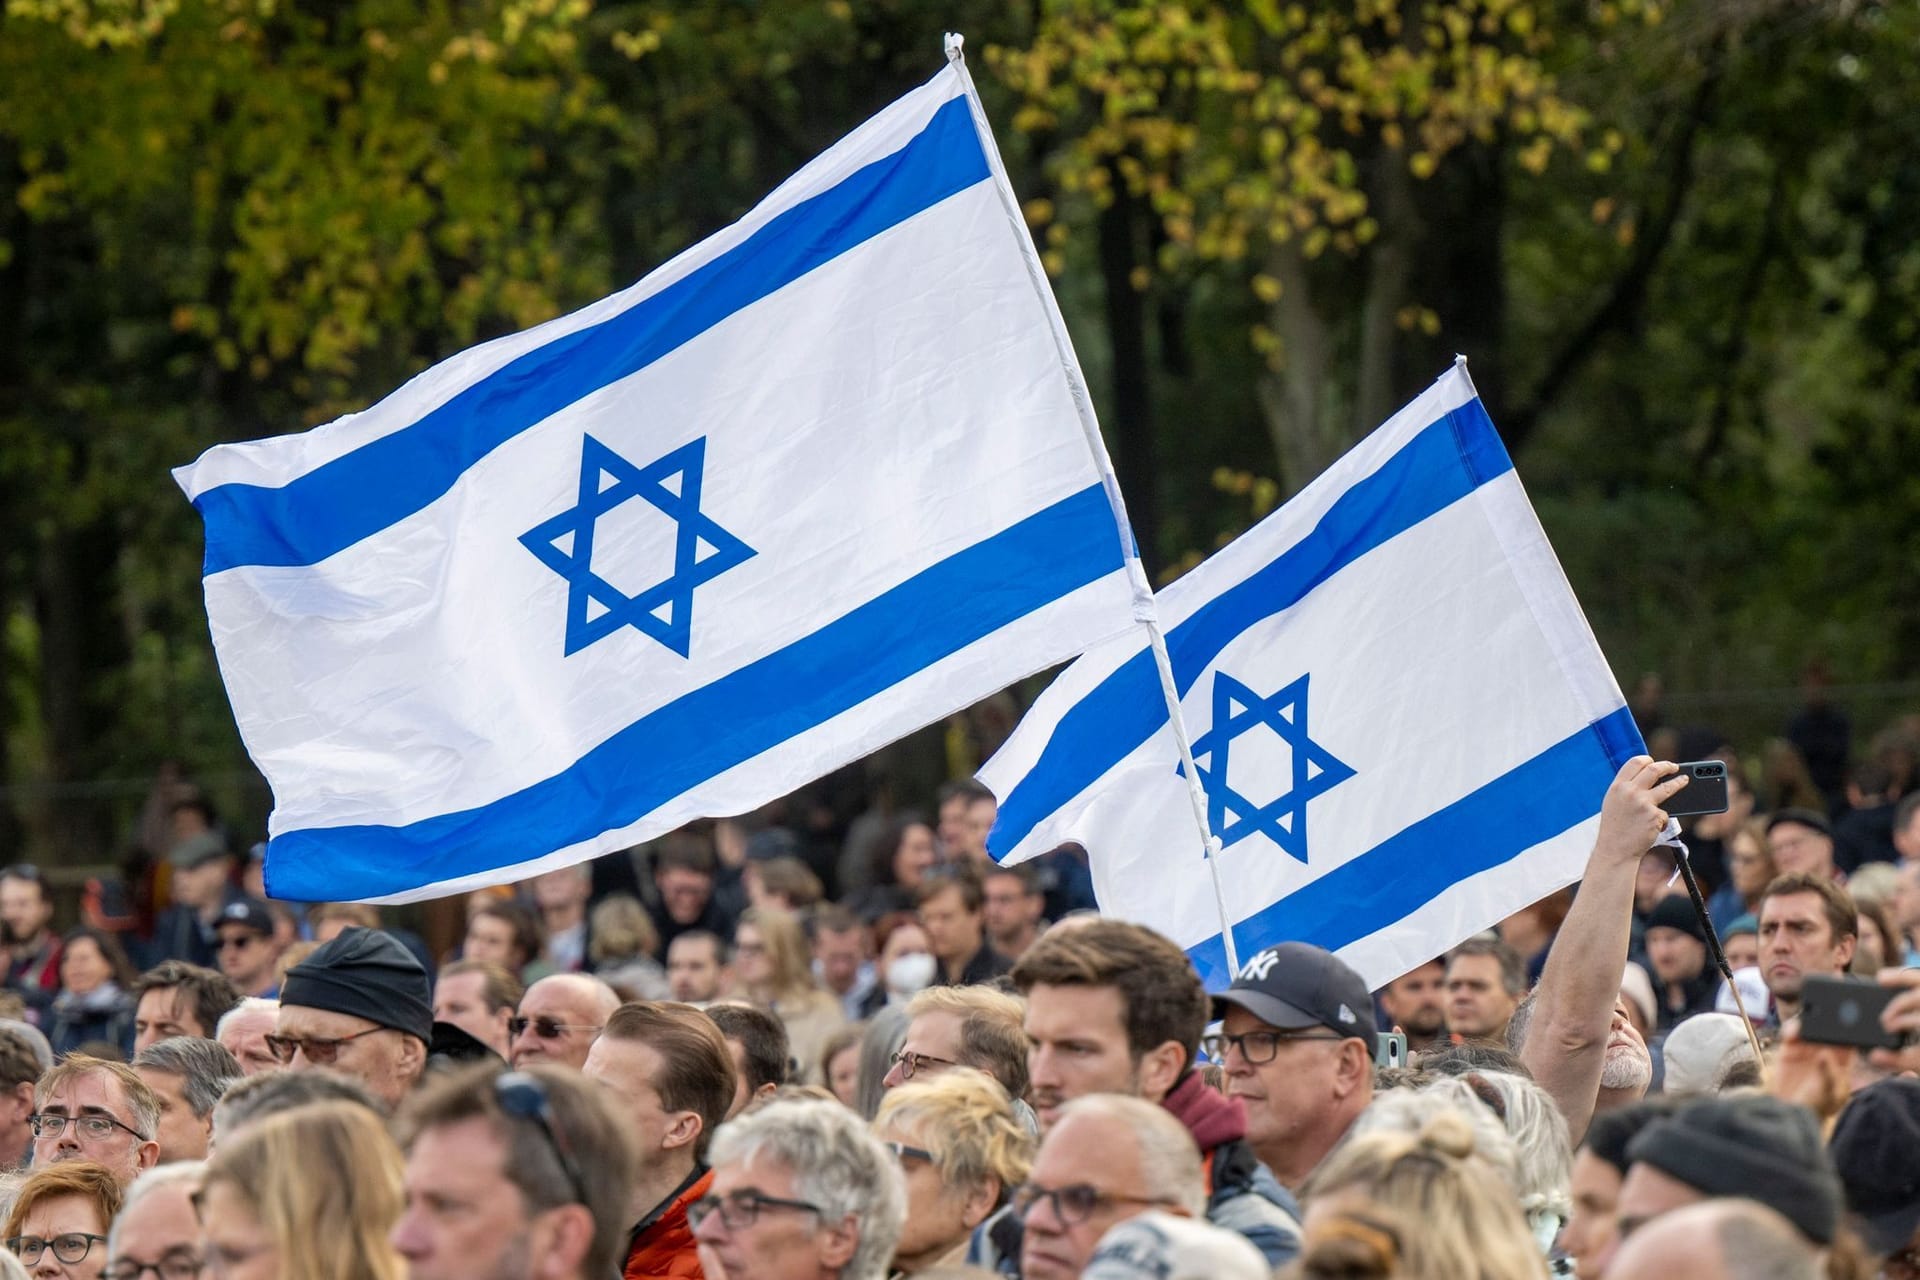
(621, 929)
(786, 946)
(966, 1121)
(327, 1183)
(1471, 1225)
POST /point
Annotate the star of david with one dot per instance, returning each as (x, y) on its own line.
(1233, 817)
(702, 549)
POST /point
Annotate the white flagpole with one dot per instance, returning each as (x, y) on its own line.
(1144, 610)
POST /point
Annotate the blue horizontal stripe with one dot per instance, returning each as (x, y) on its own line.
(355, 496)
(1445, 462)
(677, 747)
(1549, 794)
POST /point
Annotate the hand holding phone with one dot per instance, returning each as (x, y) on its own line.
(1705, 791)
(1842, 1011)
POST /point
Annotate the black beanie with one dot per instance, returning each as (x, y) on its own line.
(364, 972)
(1754, 1148)
(1676, 912)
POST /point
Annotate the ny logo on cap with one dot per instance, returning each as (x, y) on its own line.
(1261, 965)
(1346, 1014)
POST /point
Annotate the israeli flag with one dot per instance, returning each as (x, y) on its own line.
(814, 483)
(1402, 723)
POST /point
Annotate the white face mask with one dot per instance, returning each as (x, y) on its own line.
(908, 974)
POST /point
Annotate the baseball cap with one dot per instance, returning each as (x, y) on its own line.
(196, 849)
(1161, 1246)
(1296, 985)
(250, 912)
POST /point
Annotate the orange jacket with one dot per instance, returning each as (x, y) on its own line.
(662, 1247)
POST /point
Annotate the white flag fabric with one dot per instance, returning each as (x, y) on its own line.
(820, 480)
(1402, 722)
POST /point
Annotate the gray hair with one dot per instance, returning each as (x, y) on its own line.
(271, 1092)
(205, 1066)
(1543, 1151)
(1408, 1111)
(836, 1165)
(184, 1174)
(252, 1004)
(1168, 1155)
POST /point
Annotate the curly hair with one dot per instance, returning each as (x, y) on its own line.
(966, 1122)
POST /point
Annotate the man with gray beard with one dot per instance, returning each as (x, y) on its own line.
(1577, 1040)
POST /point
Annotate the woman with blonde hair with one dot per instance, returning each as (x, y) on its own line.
(58, 1224)
(771, 960)
(962, 1152)
(310, 1194)
(1471, 1227)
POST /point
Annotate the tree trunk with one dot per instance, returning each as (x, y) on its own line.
(1130, 420)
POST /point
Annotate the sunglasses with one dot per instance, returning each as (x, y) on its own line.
(545, 1028)
(525, 1097)
(320, 1050)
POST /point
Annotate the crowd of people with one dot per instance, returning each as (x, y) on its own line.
(733, 1056)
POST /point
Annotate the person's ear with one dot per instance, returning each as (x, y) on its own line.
(1161, 1068)
(413, 1056)
(837, 1243)
(1356, 1066)
(146, 1155)
(980, 1202)
(568, 1232)
(766, 1090)
(683, 1132)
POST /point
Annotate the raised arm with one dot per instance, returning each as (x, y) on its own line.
(1566, 1043)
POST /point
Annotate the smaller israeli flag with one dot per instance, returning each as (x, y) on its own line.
(1400, 718)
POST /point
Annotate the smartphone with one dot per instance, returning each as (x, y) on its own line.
(1842, 1011)
(1390, 1049)
(1705, 792)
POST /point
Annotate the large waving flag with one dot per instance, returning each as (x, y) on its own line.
(814, 483)
(1402, 723)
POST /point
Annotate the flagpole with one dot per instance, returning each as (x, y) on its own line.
(1145, 611)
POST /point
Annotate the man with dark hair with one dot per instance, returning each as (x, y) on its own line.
(479, 997)
(33, 948)
(188, 1074)
(698, 967)
(757, 1042)
(1592, 1230)
(514, 1176)
(175, 998)
(1015, 905)
(1485, 980)
(842, 956)
(1864, 833)
(1808, 925)
(505, 933)
(1416, 1002)
(950, 901)
(19, 1068)
(684, 872)
(673, 1075)
(966, 810)
(1801, 842)
(361, 1005)
(1116, 1008)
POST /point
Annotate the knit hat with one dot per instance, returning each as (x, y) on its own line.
(1160, 1246)
(1754, 1147)
(367, 974)
(1700, 1049)
(1676, 912)
(1876, 1147)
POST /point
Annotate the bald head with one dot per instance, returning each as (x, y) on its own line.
(559, 1019)
(1720, 1240)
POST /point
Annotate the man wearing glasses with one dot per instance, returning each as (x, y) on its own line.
(514, 1175)
(1116, 1008)
(559, 1017)
(1297, 1043)
(359, 1004)
(801, 1191)
(91, 1109)
(156, 1233)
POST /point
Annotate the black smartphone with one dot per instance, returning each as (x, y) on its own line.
(1842, 1011)
(1705, 792)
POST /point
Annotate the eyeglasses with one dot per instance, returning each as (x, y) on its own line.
(1072, 1204)
(1257, 1048)
(909, 1062)
(901, 1151)
(545, 1028)
(234, 941)
(52, 1125)
(72, 1247)
(320, 1050)
(741, 1209)
(175, 1264)
(524, 1097)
